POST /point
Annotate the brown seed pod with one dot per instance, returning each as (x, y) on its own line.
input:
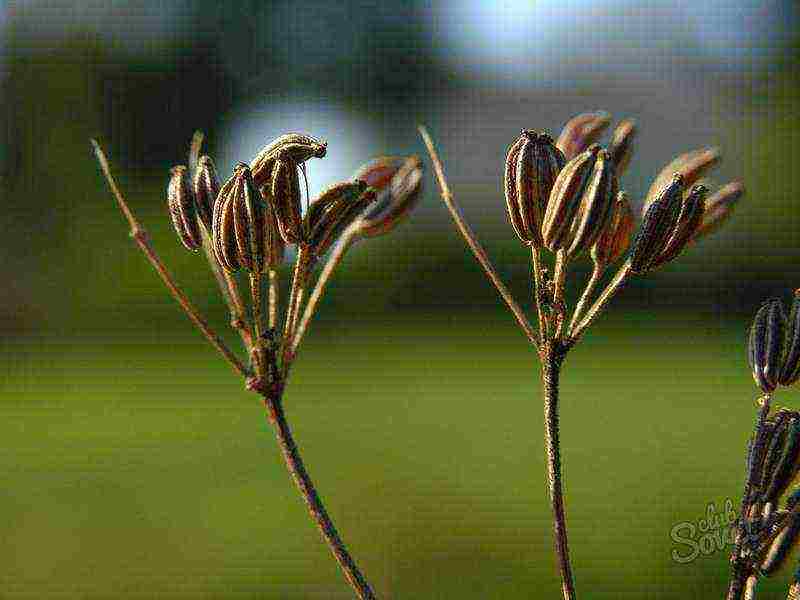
(333, 211)
(582, 131)
(691, 165)
(765, 347)
(223, 232)
(689, 219)
(657, 226)
(719, 207)
(580, 202)
(182, 208)
(790, 371)
(532, 165)
(616, 237)
(286, 194)
(206, 188)
(378, 172)
(395, 202)
(621, 147)
(274, 246)
(296, 147)
(781, 463)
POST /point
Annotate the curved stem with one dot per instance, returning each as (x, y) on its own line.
(316, 508)
(597, 272)
(552, 357)
(612, 288)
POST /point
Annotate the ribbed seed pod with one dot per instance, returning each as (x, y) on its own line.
(296, 147)
(689, 219)
(182, 208)
(395, 202)
(621, 147)
(378, 172)
(719, 207)
(657, 226)
(223, 232)
(333, 211)
(783, 466)
(691, 165)
(781, 546)
(582, 131)
(532, 165)
(616, 237)
(286, 194)
(206, 189)
(765, 345)
(274, 246)
(580, 202)
(790, 372)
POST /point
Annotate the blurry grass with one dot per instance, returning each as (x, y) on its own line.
(138, 467)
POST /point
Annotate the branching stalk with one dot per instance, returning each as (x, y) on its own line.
(613, 287)
(594, 279)
(538, 289)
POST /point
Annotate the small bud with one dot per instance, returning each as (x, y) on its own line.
(621, 147)
(766, 344)
(657, 226)
(333, 211)
(790, 372)
(582, 131)
(580, 203)
(689, 218)
(286, 194)
(206, 188)
(616, 237)
(691, 165)
(532, 165)
(296, 147)
(719, 207)
(395, 202)
(182, 209)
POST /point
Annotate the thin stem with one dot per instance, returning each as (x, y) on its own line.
(299, 278)
(472, 240)
(750, 587)
(552, 357)
(273, 299)
(538, 289)
(612, 288)
(559, 277)
(258, 332)
(597, 273)
(142, 239)
(316, 508)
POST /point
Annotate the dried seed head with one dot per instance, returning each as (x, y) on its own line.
(296, 147)
(286, 194)
(616, 237)
(582, 131)
(689, 219)
(580, 203)
(182, 209)
(335, 209)
(532, 165)
(765, 347)
(790, 371)
(621, 147)
(206, 188)
(719, 207)
(657, 226)
(395, 201)
(691, 165)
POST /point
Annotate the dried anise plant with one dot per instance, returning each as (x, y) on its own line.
(247, 224)
(768, 524)
(563, 198)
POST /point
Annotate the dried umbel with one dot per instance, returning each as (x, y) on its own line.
(397, 197)
(582, 131)
(532, 165)
(294, 147)
(766, 343)
(182, 208)
(616, 237)
(335, 209)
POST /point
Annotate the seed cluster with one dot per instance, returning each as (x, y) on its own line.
(774, 345)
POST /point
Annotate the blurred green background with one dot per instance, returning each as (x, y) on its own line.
(133, 463)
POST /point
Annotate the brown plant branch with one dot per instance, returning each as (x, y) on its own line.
(538, 290)
(142, 239)
(594, 279)
(612, 288)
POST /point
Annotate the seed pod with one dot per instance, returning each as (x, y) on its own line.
(182, 209)
(790, 372)
(395, 202)
(378, 172)
(766, 344)
(580, 203)
(616, 237)
(274, 246)
(719, 207)
(532, 165)
(781, 546)
(775, 438)
(657, 226)
(296, 147)
(621, 147)
(582, 131)
(689, 218)
(223, 232)
(691, 165)
(286, 194)
(784, 466)
(206, 188)
(333, 211)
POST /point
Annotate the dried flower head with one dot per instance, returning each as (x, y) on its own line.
(765, 346)
(532, 165)
(658, 225)
(580, 202)
(333, 211)
(790, 372)
(616, 237)
(286, 195)
(621, 146)
(182, 208)
(206, 188)
(719, 207)
(295, 147)
(691, 165)
(395, 201)
(582, 131)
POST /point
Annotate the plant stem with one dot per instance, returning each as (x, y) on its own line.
(142, 239)
(299, 278)
(552, 357)
(597, 272)
(258, 338)
(316, 508)
(559, 277)
(612, 288)
(472, 240)
(536, 263)
(273, 299)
